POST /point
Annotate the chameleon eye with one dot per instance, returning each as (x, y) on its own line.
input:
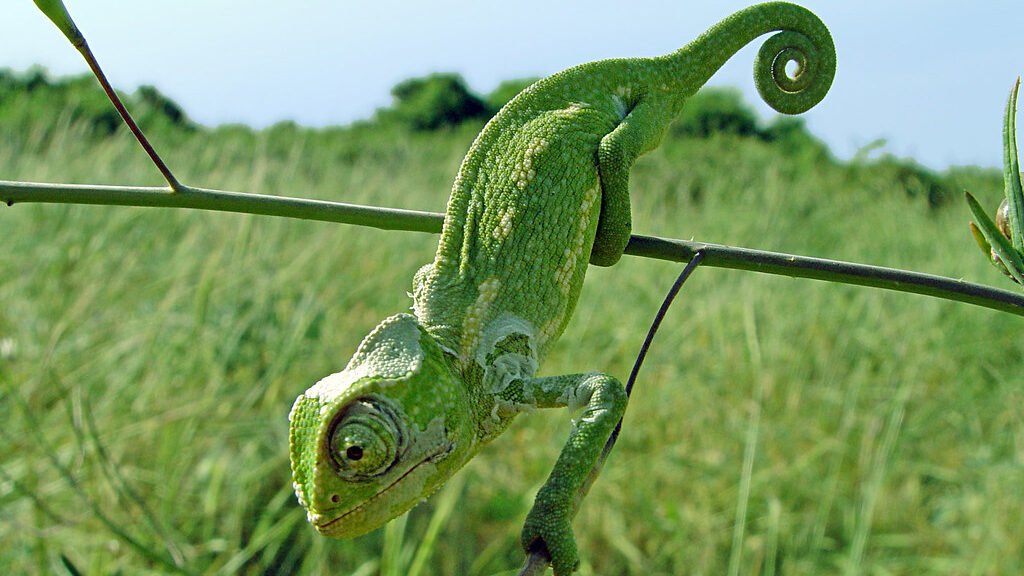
(354, 452)
(366, 440)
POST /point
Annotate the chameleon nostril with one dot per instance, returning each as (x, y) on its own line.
(335, 499)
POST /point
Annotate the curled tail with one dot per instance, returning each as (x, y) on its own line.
(801, 39)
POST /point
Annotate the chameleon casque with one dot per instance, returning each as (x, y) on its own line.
(542, 191)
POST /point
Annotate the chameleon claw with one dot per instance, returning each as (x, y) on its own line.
(550, 534)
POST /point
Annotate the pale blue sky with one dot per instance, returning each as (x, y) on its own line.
(931, 77)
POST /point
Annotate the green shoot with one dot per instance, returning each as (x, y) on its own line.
(1003, 241)
(1003, 254)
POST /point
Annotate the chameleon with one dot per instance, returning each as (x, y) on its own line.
(542, 193)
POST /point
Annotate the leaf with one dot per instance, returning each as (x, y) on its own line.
(980, 239)
(1011, 170)
(70, 566)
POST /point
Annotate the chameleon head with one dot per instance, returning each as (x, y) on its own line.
(370, 442)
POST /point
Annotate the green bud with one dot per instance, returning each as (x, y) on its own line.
(58, 14)
(1003, 219)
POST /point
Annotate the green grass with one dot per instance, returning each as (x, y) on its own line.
(149, 359)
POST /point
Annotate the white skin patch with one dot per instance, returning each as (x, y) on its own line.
(575, 250)
(570, 110)
(473, 321)
(504, 227)
(572, 254)
(620, 107)
(525, 172)
(331, 387)
(620, 100)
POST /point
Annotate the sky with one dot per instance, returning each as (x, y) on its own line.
(930, 78)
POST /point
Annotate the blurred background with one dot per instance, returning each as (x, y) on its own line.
(149, 357)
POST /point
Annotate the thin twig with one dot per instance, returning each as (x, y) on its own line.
(90, 59)
(716, 255)
(537, 561)
(670, 297)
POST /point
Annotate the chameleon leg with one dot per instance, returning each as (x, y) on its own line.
(639, 131)
(549, 523)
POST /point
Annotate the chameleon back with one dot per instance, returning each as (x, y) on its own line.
(522, 216)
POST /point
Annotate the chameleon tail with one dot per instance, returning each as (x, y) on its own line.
(802, 39)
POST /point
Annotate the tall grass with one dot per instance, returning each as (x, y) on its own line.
(149, 359)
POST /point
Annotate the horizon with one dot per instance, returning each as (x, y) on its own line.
(941, 103)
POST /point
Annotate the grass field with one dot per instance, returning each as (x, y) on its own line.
(148, 360)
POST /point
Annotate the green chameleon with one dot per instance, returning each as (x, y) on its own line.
(543, 190)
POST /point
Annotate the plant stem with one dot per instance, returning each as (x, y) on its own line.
(736, 258)
(716, 255)
(219, 200)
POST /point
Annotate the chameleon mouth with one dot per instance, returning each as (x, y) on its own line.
(333, 526)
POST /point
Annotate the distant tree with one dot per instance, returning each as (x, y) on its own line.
(33, 98)
(8, 82)
(714, 111)
(918, 181)
(34, 78)
(888, 172)
(791, 134)
(161, 105)
(433, 102)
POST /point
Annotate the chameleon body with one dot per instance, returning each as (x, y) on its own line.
(542, 191)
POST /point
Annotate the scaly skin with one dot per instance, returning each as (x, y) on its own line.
(542, 191)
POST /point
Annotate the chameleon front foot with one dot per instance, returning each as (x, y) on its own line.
(548, 530)
(548, 526)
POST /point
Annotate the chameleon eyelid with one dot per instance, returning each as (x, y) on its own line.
(381, 419)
